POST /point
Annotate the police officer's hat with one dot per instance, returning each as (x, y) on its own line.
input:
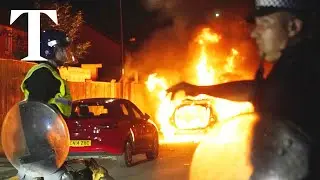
(50, 39)
(297, 7)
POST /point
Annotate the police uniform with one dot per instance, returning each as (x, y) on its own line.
(43, 83)
(291, 89)
(289, 92)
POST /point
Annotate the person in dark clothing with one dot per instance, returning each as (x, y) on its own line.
(291, 89)
(43, 83)
(39, 92)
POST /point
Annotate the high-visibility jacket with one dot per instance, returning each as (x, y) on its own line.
(62, 99)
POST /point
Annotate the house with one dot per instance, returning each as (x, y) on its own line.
(13, 38)
(103, 51)
(13, 42)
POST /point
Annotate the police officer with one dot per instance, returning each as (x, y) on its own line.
(43, 83)
(291, 89)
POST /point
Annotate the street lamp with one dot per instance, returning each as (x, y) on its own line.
(121, 37)
(122, 50)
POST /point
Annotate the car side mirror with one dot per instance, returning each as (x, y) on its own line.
(146, 116)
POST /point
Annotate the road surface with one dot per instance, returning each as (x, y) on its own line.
(173, 163)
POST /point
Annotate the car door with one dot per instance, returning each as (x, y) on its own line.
(143, 125)
(135, 127)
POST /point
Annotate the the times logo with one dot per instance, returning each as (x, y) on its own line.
(34, 30)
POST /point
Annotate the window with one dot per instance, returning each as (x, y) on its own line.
(82, 110)
(124, 110)
(98, 110)
(92, 110)
(136, 112)
(101, 109)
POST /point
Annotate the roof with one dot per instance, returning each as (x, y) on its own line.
(100, 100)
(105, 35)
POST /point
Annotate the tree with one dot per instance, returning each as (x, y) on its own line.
(68, 22)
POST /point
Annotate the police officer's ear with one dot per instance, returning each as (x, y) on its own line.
(295, 26)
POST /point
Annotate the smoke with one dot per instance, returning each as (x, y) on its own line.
(178, 8)
(166, 51)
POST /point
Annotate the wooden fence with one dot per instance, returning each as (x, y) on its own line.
(135, 92)
(12, 73)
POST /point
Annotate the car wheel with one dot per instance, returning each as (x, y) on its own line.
(125, 160)
(153, 154)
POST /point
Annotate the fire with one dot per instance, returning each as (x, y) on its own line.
(187, 119)
(205, 74)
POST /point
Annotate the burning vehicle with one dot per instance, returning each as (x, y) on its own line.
(183, 118)
(194, 116)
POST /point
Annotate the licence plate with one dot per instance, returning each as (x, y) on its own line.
(80, 143)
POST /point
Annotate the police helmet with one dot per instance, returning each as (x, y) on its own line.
(53, 41)
(299, 8)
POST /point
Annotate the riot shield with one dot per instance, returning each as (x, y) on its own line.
(252, 146)
(35, 138)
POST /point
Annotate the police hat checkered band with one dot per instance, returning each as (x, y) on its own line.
(285, 4)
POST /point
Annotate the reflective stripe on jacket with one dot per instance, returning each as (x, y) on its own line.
(62, 99)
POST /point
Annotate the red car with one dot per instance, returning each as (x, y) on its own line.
(111, 128)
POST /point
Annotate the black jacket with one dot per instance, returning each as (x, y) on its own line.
(292, 88)
(42, 85)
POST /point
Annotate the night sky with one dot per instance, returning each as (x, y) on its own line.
(104, 15)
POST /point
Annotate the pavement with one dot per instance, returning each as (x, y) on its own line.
(173, 163)
(6, 169)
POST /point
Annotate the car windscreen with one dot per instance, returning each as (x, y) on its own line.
(87, 110)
